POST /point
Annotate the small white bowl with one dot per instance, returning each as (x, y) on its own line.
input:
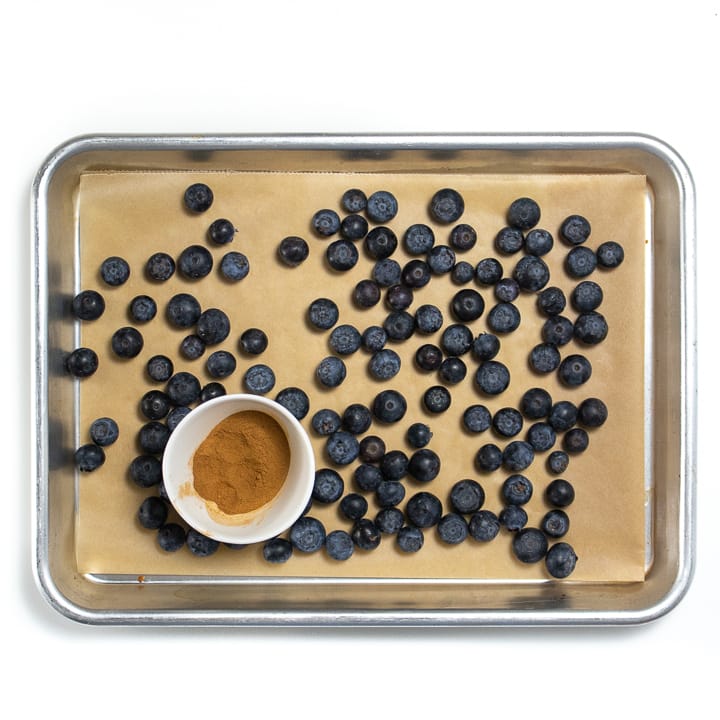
(258, 525)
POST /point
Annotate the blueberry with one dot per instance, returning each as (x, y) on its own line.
(560, 493)
(476, 419)
(114, 271)
(486, 346)
(557, 330)
(592, 412)
(575, 441)
(529, 545)
(366, 293)
(560, 560)
(437, 399)
(558, 462)
(418, 435)
(293, 250)
(575, 229)
(176, 415)
(463, 237)
(212, 390)
(580, 262)
(259, 379)
(507, 290)
(171, 537)
(213, 326)
(399, 325)
(380, 242)
(200, 544)
(409, 539)
(82, 362)
(221, 364)
(462, 273)
(489, 457)
(127, 342)
(447, 206)
(467, 305)
(307, 534)
(535, 403)
(221, 231)
(384, 364)
(609, 254)
(195, 262)
(418, 239)
(555, 523)
(517, 456)
(253, 341)
(563, 415)
(142, 308)
(342, 255)
(389, 493)
(541, 436)
(467, 496)
(516, 490)
(374, 338)
(513, 517)
(325, 222)
(389, 520)
(507, 422)
(523, 213)
(345, 339)
(89, 457)
(353, 227)
(382, 206)
(440, 259)
(399, 297)
(372, 449)
(586, 296)
(323, 313)
(545, 358)
(428, 318)
(456, 339)
(146, 471)
(198, 197)
(88, 305)
(531, 273)
(104, 431)
(538, 242)
(331, 371)
(354, 506)
(428, 357)
(483, 526)
(551, 301)
(342, 447)
(339, 545)
(504, 317)
(416, 273)
(575, 370)
(389, 406)
(424, 509)
(590, 328)
(492, 377)
(328, 486)
(192, 347)
(424, 465)
(394, 465)
(354, 200)
(155, 404)
(452, 529)
(367, 477)
(160, 267)
(295, 400)
(152, 513)
(234, 266)
(153, 437)
(488, 271)
(182, 310)
(509, 240)
(325, 422)
(387, 272)
(277, 550)
(452, 370)
(356, 419)
(365, 534)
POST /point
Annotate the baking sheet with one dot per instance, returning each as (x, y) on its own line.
(136, 214)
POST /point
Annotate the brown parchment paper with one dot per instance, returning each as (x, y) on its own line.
(134, 214)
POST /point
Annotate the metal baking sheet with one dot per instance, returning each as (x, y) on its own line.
(221, 599)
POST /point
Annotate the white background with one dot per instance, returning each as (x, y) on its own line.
(75, 67)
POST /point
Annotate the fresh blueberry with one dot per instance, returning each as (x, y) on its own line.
(277, 550)
(155, 404)
(489, 457)
(418, 239)
(440, 259)
(367, 477)
(558, 462)
(399, 297)
(409, 539)
(307, 534)
(575, 229)
(463, 237)
(387, 272)
(609, 254)
(476, 419)
(354, 200)
(328, 486)
(342, 255)
(160, 267)
(592, 412)
(467, 496)
(389, 493)
(366, 293)
(345, 339)
(89, 457)
(545, 358)
(507, 290)
(452, 529)
(82, 362)
(325, 222)
(529, 545)
(88, 305)
(518, 455)
(486, 346)
(198, 197)
(389, 520)
(575, 441)
(353, 227)
(153, 437)
(293, 250)
(447, 206)
(541, 436)
(456, 339)
(114, 271)
(234, 266)
(295, 400)
(339, 545)
(146, 471)
(575, 370)
(424, 509)
(342, 447)
(380, 242)
(557, 330)
(152, 513)
(428, 318)
(437, 399)
(580, 262)
(504, 317)
(492, 377)
(516, 490)
(365, 534)
(418, 435)
(551, 301)
(142, 308)
(182, 310)
(253, 341)
(555, 523)
(467, 305)
(384, 364)
(382, 206)
(192, 347)
(428, 357)
(535, 403)
(176, 415)
(531, 273)
(538, 242)
(563, 415)
(331, 371)
(415, 273)
(560, 560)
(590, 328)
(560, 493)
(213, 326)
(212, 390)
(200, 544)
(462, 273)
(325, 422)
(372, 449)
(374, 338)
(127, 342)
(483, 526)
(586, 296)
(104, 431)
(523, 213)
(354, 506)
(221, 231)
(356, 418)
(452, 370)
(394, 465)
(259, 379)
(171, 537)
(507, 422)
(195, 262)
(509, 240)
(389, 406)
(488, 271)
(221, 364)
(424, 465)
(323, 313)
(399, 325)
(513, 517)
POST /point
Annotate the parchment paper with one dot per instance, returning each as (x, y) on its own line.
(134, 214)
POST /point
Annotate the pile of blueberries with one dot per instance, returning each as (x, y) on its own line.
(380, 472)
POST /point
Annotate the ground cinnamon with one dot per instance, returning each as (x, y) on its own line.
(242, 463)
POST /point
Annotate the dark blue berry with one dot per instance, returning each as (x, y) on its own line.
(372, 449)
(555, 523)
(171, 537)
(114, 271)
(558, 462)
(563, 415)
(221, 231)
(541, 436)
(277, 550)
(366, 294)
(354, 506)
(513, 517)
(456, 339)
(325, 222)
(374, 338)
(509, 240)
(590, 328)
(127, 342)
(538, 242)
(365, 534)
(182, 310)
(428, 318)
(89, 457)
(234, 266)
(399, 297)
(82, 362)
(387, 272)
(356, 419)
(428, 357)
(389, 493)
(424, 465)
(146, 471)
(489, 457)
(192, 347)
(486, 346)
(418, 239)
(307, 534)
(504, 317)
(517, 456)
(507, 422)
(452, 529)
(492, 377)
(384, 364)
(551, 301)
(529, 545)
(416, 273)
(325, 422)
(394, 465)
(488, 271)
(176, 415)
(560, 493)
(418, 435)
(575, 229)
(323, 313)
(354, 200)
(259, 379)
(523, 213)
(424, 509)
(516, 490)
(609, 254)
(467, 496)
(367, 477)
(293, 250)
(345, 339)
(155, 404)
(342, 255)
(452, 370)
(586, 296)
(88, 305)
(447, 206)
(328, 486)
(440, 259)
(483, 526)
(331, 371)
(592, 412)
(463, 237)
(545, 358)
(153, 437)
(104, 431)
(535, 403)
(380, 242)
(221, 364)
(409, 539)
(152, 513)
(342, 447)
(142, 308)
(476, 419)
(339, 545)
(437, 399)
(575, 370)
(389, 406)
(575, 440)
(253, 341)
(200, 544)
(560, 560)
(353, 227)
(462, 273)
(160, 267)
(467, 305)
(295, 400)
(531, 273)
(212, 390)
(198, 197)
(399, 325)
(195, 262)
(389, 520)
(507, 290)
(557, 330)
(382, 206)
(580, 262)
